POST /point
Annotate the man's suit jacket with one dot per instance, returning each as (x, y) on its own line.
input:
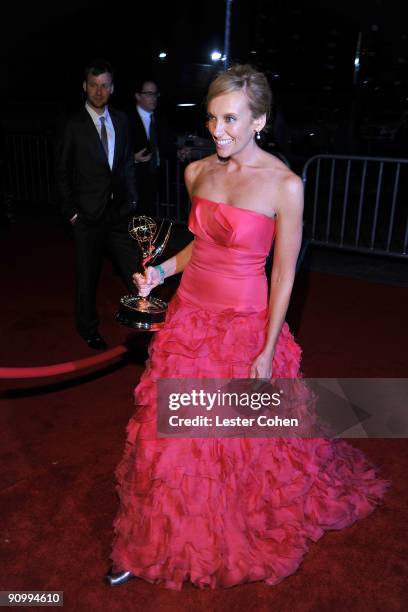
(85, 182)
(165, 137)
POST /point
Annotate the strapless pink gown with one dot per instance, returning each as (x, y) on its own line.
(221, 512)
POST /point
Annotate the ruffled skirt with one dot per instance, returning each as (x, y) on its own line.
(221, 512)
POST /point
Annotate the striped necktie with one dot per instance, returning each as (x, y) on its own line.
(104, 136)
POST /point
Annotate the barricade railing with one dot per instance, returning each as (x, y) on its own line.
(28, 173)
(351, 202)
(357, 203)
(173, 200)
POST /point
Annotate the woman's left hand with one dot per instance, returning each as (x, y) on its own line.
(262, 366)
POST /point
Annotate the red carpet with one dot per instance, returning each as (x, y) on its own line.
(62, 439)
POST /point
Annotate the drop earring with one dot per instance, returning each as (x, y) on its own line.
(257, 136)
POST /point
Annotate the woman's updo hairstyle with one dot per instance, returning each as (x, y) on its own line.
(243, 77)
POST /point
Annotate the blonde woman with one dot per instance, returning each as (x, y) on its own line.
(222, 512)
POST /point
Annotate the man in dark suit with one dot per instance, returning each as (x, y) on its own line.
(153, 144)
(96, 185)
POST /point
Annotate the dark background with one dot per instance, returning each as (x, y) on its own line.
(306, 48)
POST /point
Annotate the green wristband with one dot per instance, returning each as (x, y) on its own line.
(161, 272)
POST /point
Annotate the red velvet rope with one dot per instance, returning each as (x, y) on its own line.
(63, 368)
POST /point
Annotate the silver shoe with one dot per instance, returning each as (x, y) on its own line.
(118, 578)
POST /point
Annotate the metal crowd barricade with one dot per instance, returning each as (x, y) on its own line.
(357, 203)
(173, 202)
(351, 202)
(28, 173)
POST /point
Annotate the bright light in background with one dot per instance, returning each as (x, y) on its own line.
(215, 56)
(187, 104)
(162, 55)
(357, 62)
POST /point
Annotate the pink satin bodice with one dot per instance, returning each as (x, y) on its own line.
(227, 266)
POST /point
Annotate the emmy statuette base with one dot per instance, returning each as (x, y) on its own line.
(140, 313)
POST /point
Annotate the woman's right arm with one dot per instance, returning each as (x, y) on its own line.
(174, 265)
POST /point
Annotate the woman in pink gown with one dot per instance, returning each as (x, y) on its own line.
(221, 512)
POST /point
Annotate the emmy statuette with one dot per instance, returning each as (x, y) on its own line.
(145, 313)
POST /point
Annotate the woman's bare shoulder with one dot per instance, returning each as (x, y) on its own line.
(279, 173)
(290, 193)
(285, 187)
(197, 168)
